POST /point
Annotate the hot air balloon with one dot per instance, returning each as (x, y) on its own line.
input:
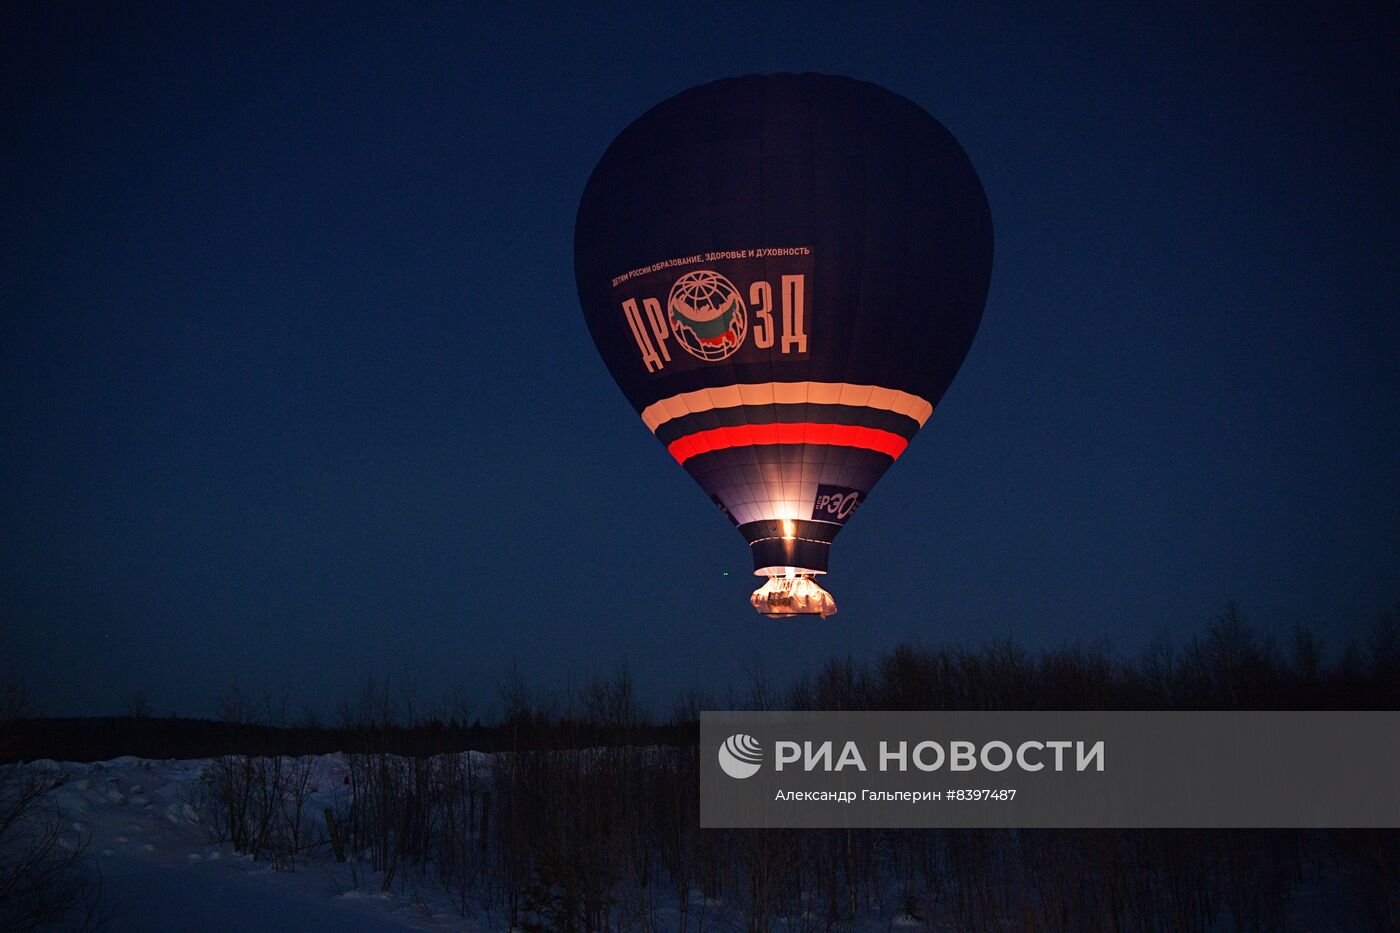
(783, 273)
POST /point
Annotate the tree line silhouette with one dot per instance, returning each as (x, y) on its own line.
(580, 811)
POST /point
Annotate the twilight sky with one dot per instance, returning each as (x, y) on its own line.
(294, 385)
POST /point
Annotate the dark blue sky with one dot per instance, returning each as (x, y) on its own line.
(294, 384)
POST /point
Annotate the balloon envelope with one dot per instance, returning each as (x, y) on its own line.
(783, 273)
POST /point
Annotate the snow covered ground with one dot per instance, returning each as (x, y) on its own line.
(160, 871)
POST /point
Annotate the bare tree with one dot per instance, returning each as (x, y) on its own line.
(138, 705)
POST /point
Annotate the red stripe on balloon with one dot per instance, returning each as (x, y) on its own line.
(751, 435)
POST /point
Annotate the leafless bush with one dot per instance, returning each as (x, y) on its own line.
(46, 877)
(258, 804)
(459, 856)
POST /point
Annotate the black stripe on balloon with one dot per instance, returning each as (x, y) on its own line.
(804, 412)
(820, 532)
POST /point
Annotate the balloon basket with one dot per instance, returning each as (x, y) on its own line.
(786, 597)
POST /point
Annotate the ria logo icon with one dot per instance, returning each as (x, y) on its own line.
(740, 756)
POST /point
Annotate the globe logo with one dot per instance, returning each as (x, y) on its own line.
(740, 756)
(708, 316)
